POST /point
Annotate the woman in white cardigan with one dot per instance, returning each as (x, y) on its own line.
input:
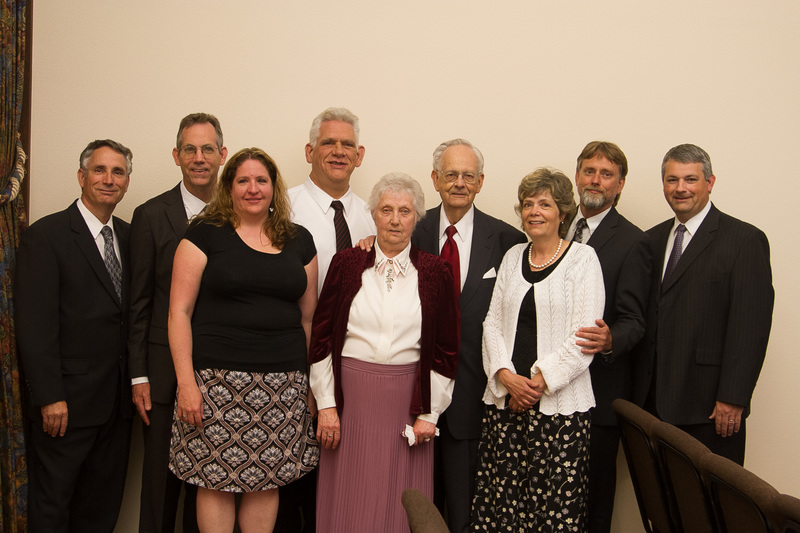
(533, 454)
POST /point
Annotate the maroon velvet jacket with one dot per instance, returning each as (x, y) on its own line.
(441, 319)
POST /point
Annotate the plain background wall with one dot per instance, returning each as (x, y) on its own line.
(529, 82)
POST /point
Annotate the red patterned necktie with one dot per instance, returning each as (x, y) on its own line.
(340, 224)
(450, 254)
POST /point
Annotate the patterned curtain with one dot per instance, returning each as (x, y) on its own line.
(13, 472)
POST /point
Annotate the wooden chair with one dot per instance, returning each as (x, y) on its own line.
(785, 514)
(636, 428)
(680, 455)
(423, 516)
(741, 499)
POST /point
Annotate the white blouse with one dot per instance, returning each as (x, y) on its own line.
(384, 327)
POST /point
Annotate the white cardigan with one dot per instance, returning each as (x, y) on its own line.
(571, 297)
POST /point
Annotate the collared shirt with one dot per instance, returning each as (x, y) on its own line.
(191, 203)
(692, 225)
(95, 229)
(591, 223)
(462, 237)
(384, 327)
(311, 208)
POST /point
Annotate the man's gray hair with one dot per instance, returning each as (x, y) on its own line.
(688, 153)
(340, 114)
(108, 143)
(398, 182)
(199, 118)
(439, 152)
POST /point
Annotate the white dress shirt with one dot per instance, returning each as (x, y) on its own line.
(311, 208)
(462, 237)
(191, 203)
(95, 229)
(384, 327)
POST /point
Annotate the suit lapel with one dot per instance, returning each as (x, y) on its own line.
(604, 230)
(175, 211)
(85, 242)
(428, 240)
(705, 235)
(479, 256)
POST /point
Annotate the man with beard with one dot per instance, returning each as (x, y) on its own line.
(626, 260)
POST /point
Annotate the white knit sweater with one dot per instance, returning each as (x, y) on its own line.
(571, 297)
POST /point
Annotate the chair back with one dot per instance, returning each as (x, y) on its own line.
(423, 516)
(741, 499)
(785, 514)
(636, 430)
(680, 455)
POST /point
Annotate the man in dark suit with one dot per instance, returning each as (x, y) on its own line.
(71, 316)
(626, 260)
(157, 227)
(481, 241)
(710, 311)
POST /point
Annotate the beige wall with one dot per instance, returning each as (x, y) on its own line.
(530, 82)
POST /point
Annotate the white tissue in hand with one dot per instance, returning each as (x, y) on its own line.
(408, 433)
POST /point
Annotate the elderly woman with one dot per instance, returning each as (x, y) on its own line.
(533, 453)
(243, 295)
(384, 350)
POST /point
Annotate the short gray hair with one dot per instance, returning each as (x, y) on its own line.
(439, 152)
(688, 153)
(402, 183)
(340, 114)
(108, 143)
(199, 118)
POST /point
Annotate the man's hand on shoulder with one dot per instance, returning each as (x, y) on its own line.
(54, 418)
(141, 399)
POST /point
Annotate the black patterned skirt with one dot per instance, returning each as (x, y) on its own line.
(532, 472)
(257, 432)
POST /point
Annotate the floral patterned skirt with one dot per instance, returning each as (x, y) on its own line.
(257, 432)
(532, 472)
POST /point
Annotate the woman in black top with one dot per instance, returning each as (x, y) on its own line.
(243, 295)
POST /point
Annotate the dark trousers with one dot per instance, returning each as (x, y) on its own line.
(455, 464)
(603, 448)
(160, 488)
(76, 481)
(297, 506)
(731, 447)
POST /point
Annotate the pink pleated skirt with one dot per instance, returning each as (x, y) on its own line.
(361, 482)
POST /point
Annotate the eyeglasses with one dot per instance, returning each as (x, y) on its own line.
(451, 176)
(190, 150)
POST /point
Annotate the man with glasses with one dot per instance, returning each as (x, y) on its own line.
(157, 227)
(474, 243)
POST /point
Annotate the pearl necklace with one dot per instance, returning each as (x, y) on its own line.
(530, 255)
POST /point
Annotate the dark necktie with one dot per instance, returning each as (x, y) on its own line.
(342, 231)
(675, 254)
(450, 254)
(579, 227)
(111, 261)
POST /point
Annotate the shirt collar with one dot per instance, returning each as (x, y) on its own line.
(693, 223)
(191, 203)
(401, 260)
(95, 226)
(463, 226)
(324, 199)
(591, 222)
